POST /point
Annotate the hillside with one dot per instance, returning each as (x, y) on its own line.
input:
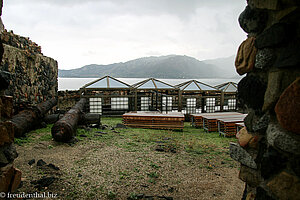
(171, 66)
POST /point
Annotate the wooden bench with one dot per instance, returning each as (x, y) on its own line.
(154, 120)
(227, 127)
(197, 119)
(210, 123)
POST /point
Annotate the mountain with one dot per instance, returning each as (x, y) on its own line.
(171, 66)
(226, 65)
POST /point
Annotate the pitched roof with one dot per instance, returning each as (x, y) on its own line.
(107, 82)
(194, 85)
(227, 87)
(152, 83)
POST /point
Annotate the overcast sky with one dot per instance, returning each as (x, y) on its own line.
(81, 32)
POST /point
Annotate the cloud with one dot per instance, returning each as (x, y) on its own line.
(77, 32)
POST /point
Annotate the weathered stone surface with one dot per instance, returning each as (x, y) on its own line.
(250, 120)
(4, 76)
(3, 159)
(6, 109)
(252, 20)
(285, 186)
(7, 154)
(264, 4)
(34, 77)
(262, 124)
(10, 152)
(250, 176)
(16, 180)
(278, 81)
(6, 175)
(243, 137)
(245, 58)
(250, 196)
(273, 91)
(251, 91)
(6, 133)
(272, 37)
(264, 58)
(282, 139)
(20, 42)
(288, 108)
(289, 56)
(272, 162)
(241, 155)
(261, 194)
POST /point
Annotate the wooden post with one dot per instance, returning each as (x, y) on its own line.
(222, 101)
(135, 100)
(180, 100)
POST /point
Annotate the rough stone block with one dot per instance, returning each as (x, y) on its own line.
(241, 155)
(6, 133)
(282, 139)
(4, 79)
(245, 58)
(274, 36)
(251, 91)
(252, 20)
(16, 180)
(274, 89)
(6, 175)
(288, 56)
(262, 194)
(272, 162)
(288, 108)
(265, 4)
(285, 186)
(264, 58)
(7, 154)
(243, 137)
(7, 108)
(262, 124)
(250, 176)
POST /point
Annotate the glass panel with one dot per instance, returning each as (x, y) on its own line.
(119, 103)
(162, 85)
(205, 87)
(95, 105)
(116, 84)
(148, 85)
(192, 86)
(231, 88)
(99, 84)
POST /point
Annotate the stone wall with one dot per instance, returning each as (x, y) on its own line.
(33, 76)
(10, 177)
(269, 146)
(67, 99)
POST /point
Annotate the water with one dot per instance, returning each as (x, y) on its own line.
(77, 83)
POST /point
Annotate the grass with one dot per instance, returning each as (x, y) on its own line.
(43, 134)
(192, 140)
(147, 167)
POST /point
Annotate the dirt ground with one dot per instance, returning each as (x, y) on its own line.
(130, 164)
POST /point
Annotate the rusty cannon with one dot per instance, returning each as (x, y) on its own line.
(30, 118)
(65, 128)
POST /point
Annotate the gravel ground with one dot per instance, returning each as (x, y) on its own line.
(122, 165)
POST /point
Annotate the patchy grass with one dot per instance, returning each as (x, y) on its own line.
(117, 163)
(35, 136)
